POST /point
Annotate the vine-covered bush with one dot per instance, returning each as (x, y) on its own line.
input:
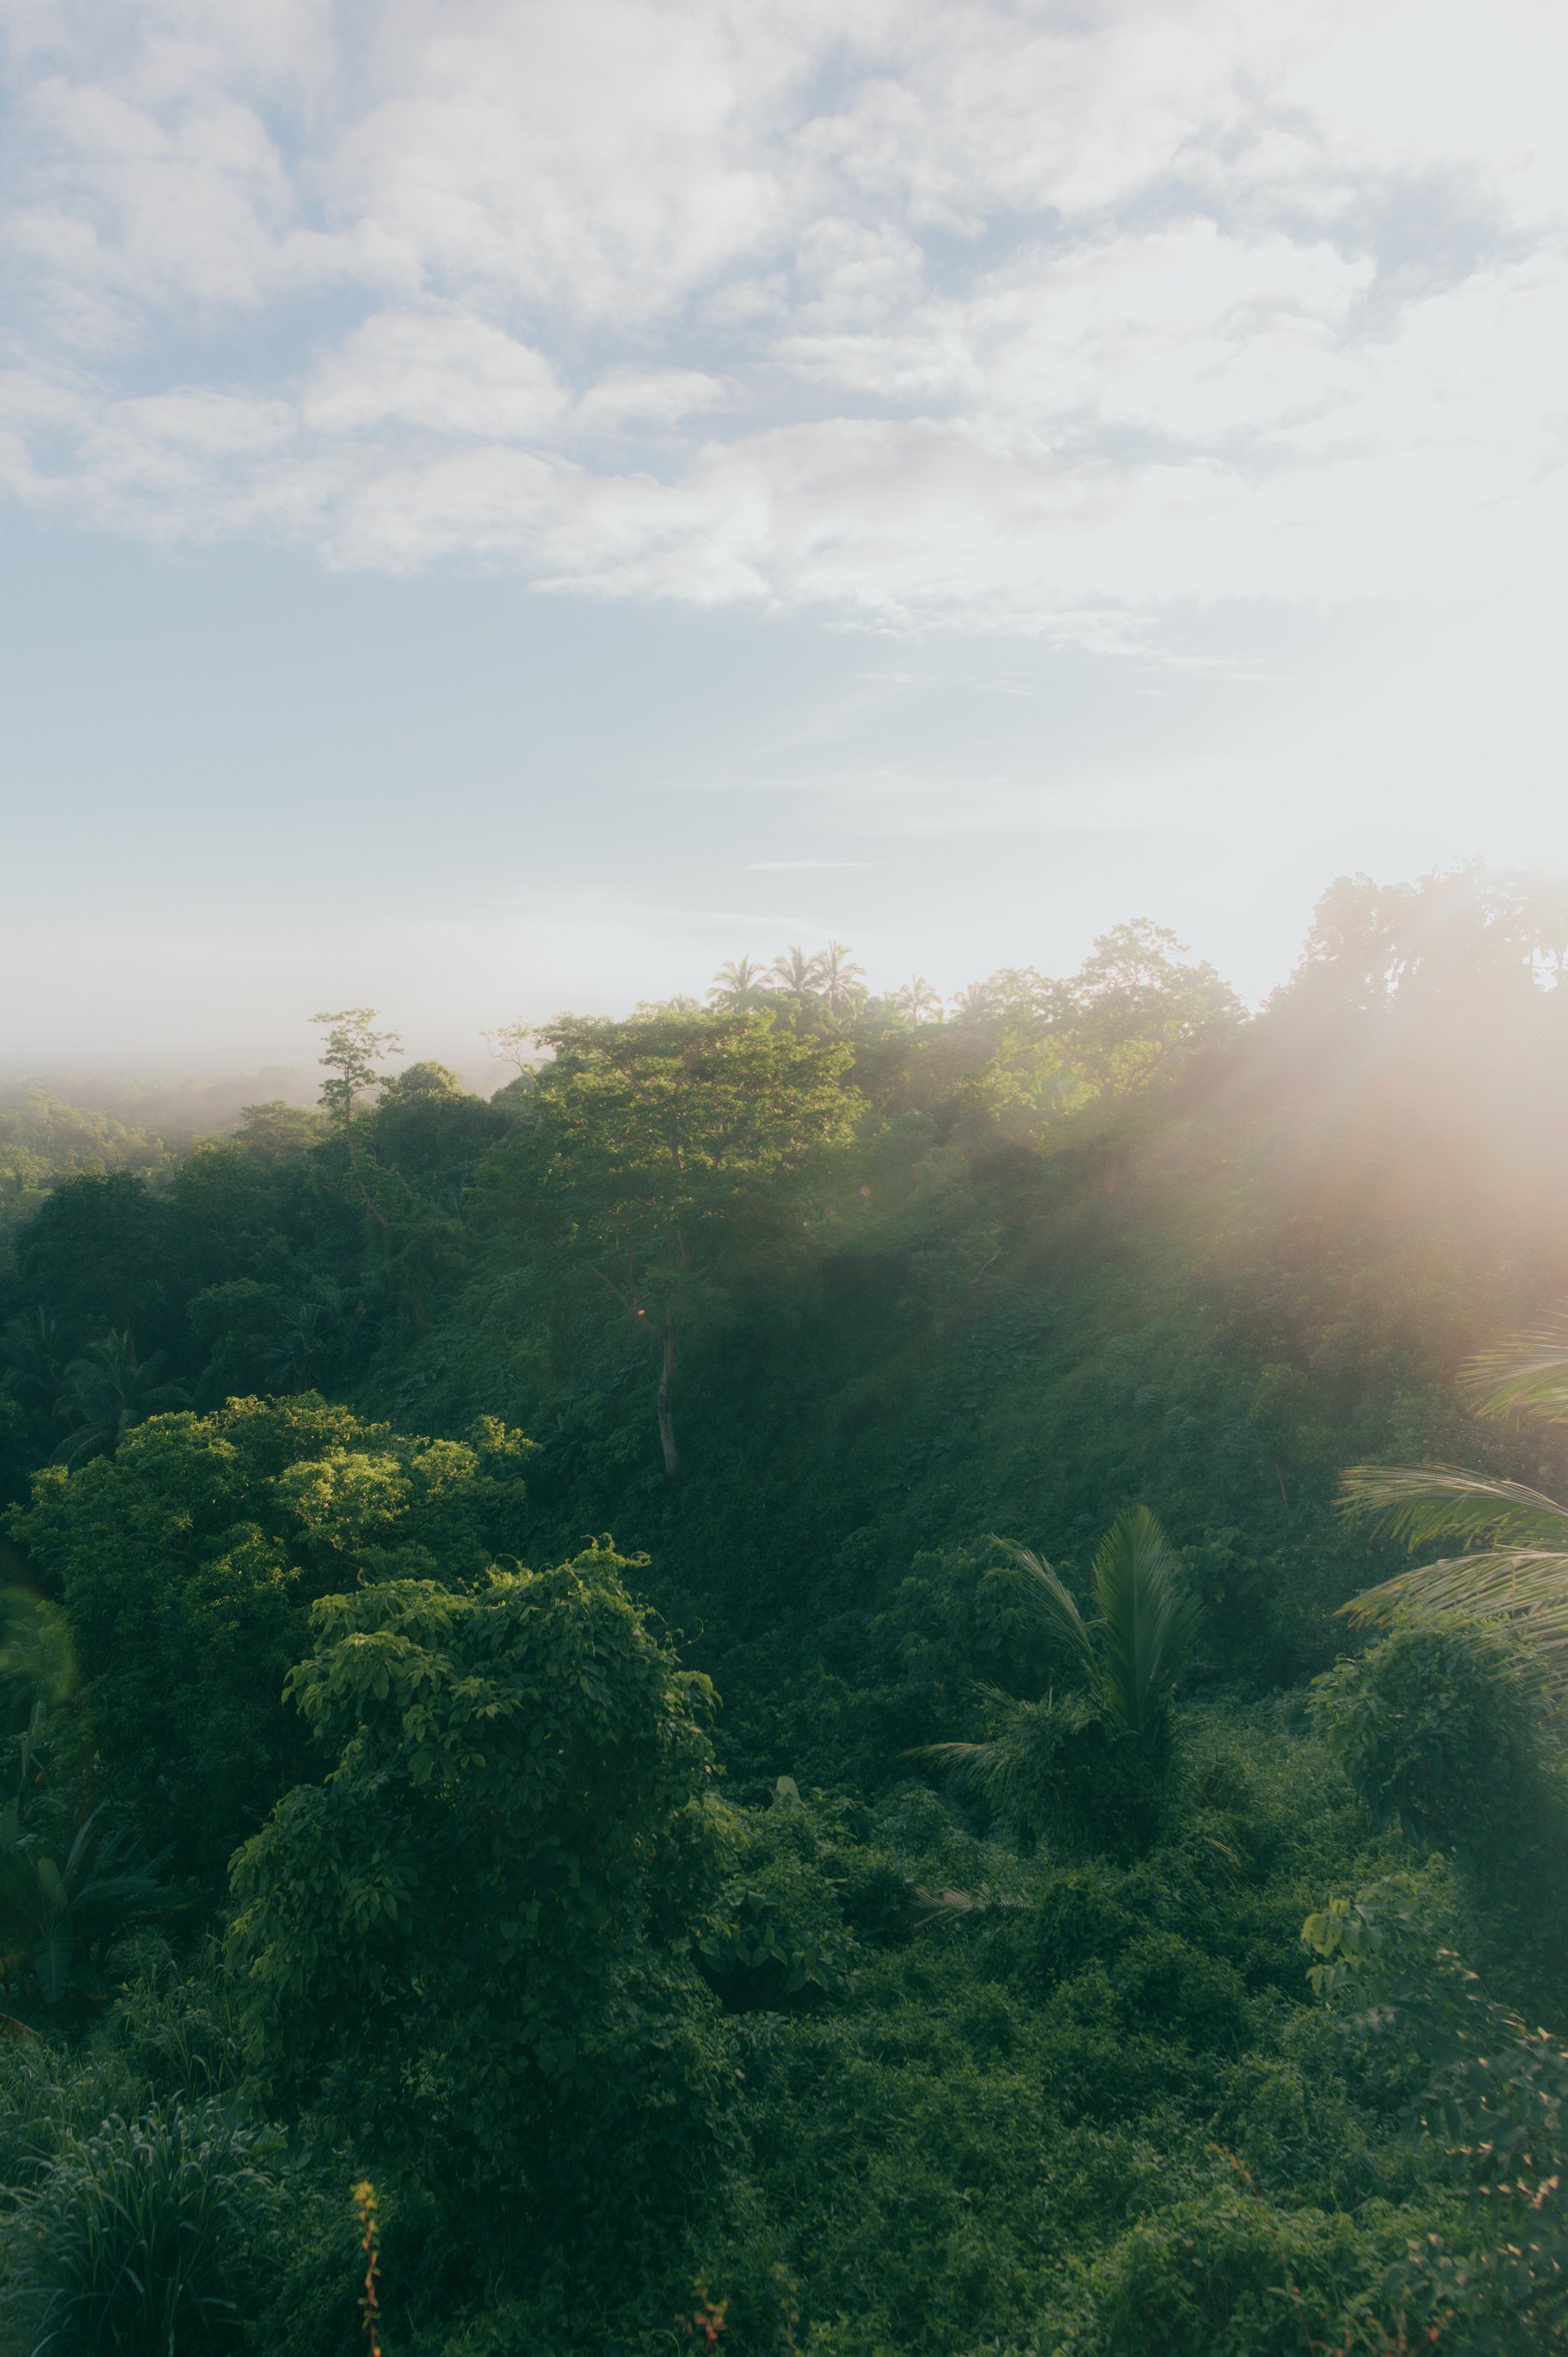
(1447, 1737)
(466, 1949)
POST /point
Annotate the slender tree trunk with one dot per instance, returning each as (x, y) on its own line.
(370, 1202)
(666, 1411)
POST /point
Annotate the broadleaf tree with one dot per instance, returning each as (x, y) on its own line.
(188, 1560)
(354, 1048)
(652, 1147)
(467, 1948)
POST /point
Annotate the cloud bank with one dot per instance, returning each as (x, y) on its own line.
(1025, 316)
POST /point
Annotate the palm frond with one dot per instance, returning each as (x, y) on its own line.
(1526, 1585)
(1051, 1605)
(1527, 1376)
(929, 1907)
(1423, 1502)
(989, 1768)
(1149, 1619)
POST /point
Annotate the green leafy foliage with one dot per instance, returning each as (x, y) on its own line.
(779, 1934)
(466, 1948)
(188, 1564)
(1444, 1734)
(1491, 2104)
(650, 1151)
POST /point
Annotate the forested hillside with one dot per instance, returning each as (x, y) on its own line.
(723, 1674)
(57, 1126)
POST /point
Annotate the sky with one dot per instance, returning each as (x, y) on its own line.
(506, 506)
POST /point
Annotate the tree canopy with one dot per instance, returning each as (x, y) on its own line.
(460, 1944)
(802, 1922)
(654, 1152)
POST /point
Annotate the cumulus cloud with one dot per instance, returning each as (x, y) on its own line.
(1002, 316)
(449, 373)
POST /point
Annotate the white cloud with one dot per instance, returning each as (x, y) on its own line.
(627, 397)
(989, 315)
(449, 373)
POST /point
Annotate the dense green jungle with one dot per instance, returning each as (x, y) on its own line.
(708, 1704)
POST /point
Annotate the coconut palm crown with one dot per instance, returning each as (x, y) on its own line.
(796, 973)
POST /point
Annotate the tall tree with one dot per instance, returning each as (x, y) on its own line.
(465, 1947)
(509, 1043)
(96, 1252)
(652, 1147)
(276, 1131)
(349, 1059)
(188, 1559)
(1137, 1007)
(1468, 934)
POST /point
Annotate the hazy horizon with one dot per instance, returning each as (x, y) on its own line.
(505, 510)
(287, 1067)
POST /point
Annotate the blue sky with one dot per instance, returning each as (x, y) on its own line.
(505, 507)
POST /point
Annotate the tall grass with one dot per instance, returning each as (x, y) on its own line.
(139, 2239)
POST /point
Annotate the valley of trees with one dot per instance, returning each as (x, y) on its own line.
(840, 1675)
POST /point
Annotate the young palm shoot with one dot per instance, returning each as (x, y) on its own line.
(1128, 1657)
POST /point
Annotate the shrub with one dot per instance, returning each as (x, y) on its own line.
(1163, 1982)
(1443, 1735)
(778, 1936)
(1223, 2274)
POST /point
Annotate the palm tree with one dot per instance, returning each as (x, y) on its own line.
(1128, 1659)
(107, 1390)
(840, 980)
(64, 1891)
(1513, 1563)
(1132, 1656)
(304, 1350)
(34, 1350)
(797, 973)
(739, 983)
(917, 1001)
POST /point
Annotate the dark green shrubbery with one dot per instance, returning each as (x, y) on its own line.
(1224, 2273)
(778, 1937)
(1446, 1736)
(1488, 2268)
